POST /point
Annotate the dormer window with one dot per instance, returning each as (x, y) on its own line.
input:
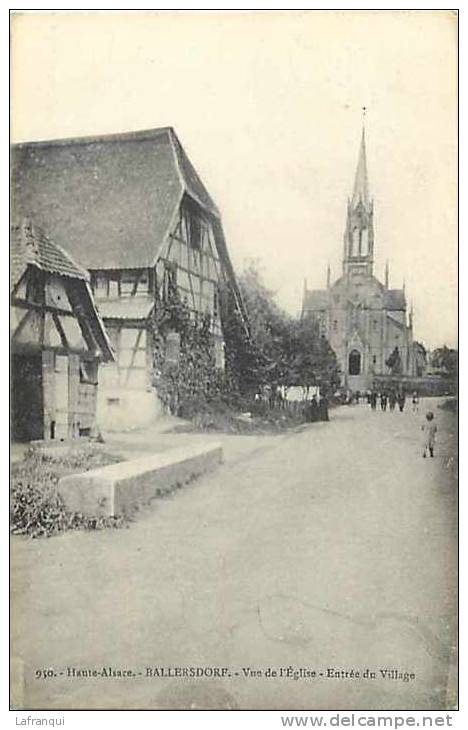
(195, 231)
(194, 225)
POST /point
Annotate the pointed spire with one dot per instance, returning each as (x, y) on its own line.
(361, 185)
(328, 275)
(411, 315)
(386, 274)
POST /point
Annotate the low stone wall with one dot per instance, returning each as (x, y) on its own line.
(119, 489)
(425, 386)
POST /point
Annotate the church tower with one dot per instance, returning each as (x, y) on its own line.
(358, 256)
(364, 320)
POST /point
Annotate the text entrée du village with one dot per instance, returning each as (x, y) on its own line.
(287, 672)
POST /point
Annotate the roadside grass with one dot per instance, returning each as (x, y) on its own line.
(451, 404)
(36, 508)
(251, 418)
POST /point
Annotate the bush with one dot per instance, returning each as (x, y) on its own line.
(451, 404)
(36, 507)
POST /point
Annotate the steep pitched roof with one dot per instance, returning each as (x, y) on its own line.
(394, 299)
(315, 299)
(396, 323)
(361, 182)
(110, 200)
(30, 245)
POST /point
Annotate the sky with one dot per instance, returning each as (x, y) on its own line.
(268, 107)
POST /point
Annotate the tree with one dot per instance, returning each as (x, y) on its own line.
(445, 359)
(394, 362)
(311, 360)
(282, 349)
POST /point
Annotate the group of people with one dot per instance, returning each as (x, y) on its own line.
(391, 398)
(387, 398)
(316, 409)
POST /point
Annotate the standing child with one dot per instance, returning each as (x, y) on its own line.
(430, 429)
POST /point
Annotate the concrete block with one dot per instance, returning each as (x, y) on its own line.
(119, 489)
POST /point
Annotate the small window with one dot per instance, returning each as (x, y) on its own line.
(100, 286)
(127, 284)
(88, 372)
(142, 286)
(335, 324)
(114, 287)
(374, 359)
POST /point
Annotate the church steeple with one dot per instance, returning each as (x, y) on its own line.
(359, 233)
(361, 184)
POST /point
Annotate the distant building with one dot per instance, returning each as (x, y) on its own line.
(420, 359)
(133, 209)
(58, 340)
(364, 320)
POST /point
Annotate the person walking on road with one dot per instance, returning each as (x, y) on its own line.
(429, 428)
(373, 400)
(415, 401)
(314, 410)
(392, 400)
(323, 408)
(383, 401)
(401, 400)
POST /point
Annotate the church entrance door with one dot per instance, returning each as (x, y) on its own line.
(354, 362)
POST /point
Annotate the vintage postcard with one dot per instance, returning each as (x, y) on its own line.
(234, 360)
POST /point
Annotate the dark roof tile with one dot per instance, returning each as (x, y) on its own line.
(394, 299)
(110, 200)
(30, 246)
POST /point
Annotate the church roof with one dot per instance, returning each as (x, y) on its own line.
(394, 299)
(361, 183)
(111, 199)
(315, 299)
(396, 322)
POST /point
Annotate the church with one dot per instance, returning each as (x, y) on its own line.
(365, 322)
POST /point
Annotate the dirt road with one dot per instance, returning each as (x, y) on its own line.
(330, 550)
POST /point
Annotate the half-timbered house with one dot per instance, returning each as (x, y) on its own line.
(134, 210)
(58, 340)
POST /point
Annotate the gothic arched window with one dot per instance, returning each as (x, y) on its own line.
(355, 242)
(354, 362)
(364, 242)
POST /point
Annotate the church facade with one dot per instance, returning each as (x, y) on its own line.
(365, 321)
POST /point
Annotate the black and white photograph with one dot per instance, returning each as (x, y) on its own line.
(234, 361)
